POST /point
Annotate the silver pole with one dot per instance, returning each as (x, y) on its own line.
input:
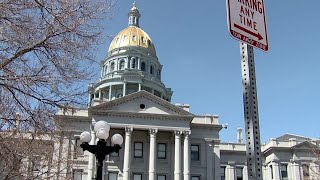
(251, 115)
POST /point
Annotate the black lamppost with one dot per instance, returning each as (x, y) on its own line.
(100, 150)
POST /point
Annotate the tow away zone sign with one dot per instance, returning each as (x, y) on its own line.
(247, 22)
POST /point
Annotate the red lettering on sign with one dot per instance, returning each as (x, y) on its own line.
(255, 5)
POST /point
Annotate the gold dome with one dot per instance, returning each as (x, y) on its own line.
(132, 36)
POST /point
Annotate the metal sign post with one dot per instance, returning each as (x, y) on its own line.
(251, 114)
(247, 23)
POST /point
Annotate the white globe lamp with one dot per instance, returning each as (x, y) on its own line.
(117, 139)
(85, 137)
(102, 134)
(101, 124)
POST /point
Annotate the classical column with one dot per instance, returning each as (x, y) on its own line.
(91, 163)
(102, 72)
(124, 89)
(126, 162)
(210, 158)
(68, 155)
(245, 172)
(139, 88)
(216, 150)
(265, 171)
(295, 169)
(177, 155)
(275, 169)
(186, 156)
(139, 64)
(100, 94)
(230, 171)
(110, 88)
(89, 99)
(152, 157)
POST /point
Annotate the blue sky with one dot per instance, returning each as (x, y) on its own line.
(201, 61)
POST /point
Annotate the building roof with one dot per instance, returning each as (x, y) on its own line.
(288, 136)
(132, 36)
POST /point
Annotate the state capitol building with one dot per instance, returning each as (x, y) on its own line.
(163, 141)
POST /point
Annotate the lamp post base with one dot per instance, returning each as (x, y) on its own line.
(99, 170)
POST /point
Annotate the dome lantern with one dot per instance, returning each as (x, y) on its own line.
(134, 15)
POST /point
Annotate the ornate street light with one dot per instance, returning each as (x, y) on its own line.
(100, 150)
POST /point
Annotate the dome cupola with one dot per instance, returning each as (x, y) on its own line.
(131, 65)
(134, 16)
(132, 37)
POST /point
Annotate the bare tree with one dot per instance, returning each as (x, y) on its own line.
(46, 53)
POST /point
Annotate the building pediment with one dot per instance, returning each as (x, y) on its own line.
(141, 102)
(305, 145)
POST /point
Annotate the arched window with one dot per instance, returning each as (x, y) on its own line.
(112, 67)
(151, 69)
(105, 69)
(133, 63)
(143, 66)
(122, 65)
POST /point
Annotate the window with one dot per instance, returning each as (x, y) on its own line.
(112, 176)
(143, 66)
(124, 38)
(36, 163)
(134, 38)
(162, 148)
(112, 67)
(223, 172)
(137, 176)
(151, 69)
(161, 177)
(194, 152)
(122, 65)
(113, 154)
(133, 63)
(305, 170)
(138, 149)
(142, 39)
(103, 69)
(195, 177)
(77, 174)
(239, 173)
(284, 171)
(78, 151)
